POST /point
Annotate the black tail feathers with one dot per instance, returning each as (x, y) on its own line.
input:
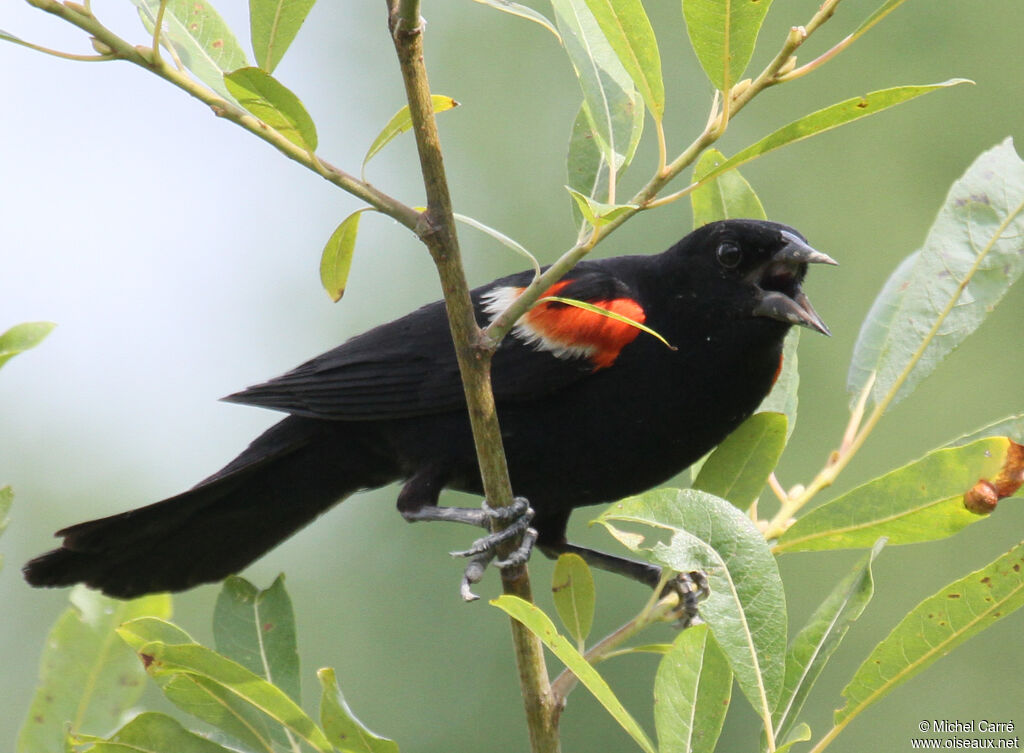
(288, 476)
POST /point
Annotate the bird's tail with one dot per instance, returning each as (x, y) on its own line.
(294, 471)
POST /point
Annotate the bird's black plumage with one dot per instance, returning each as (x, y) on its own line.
(591, 409)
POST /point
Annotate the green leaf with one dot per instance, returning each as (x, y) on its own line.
(746, 609)
(970, 259)
(881, 12)
(935, 627)
(606, 313)
(87, 678)
(345, 732)
(1011, 426)
(541, 625)
(598, 213)
(610, 98)
(273, 25)
(522, 11)
(401, 122)
(217, 689)
(501, 238)
(257, 629)
(587, 169)
(801, 734)
(21, 337)
(199, 37)
(692, 690)
(152, 732)
(814, 645)
(336, 260)
(726, 197)
(572, 587)
(273, 103)
(6, 498)
(723, 34)
(739, 467)
(830, 117)
(922, 501)
(783, 397)
(628, 31)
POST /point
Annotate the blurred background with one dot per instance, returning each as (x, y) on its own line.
(179, 258)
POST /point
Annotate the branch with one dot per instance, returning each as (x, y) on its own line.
(437, 231)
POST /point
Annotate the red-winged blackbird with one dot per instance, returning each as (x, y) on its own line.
(591, 410)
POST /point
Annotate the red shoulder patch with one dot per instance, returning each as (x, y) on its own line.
(569, 330)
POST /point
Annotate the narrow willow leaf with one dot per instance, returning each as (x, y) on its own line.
(200, 38)
(257, 629)
(935, 627)
(501, 238)
(233, 694)
(21, 337)
(541, 625)
(723, 34)
(814, 645)
(746, 609)
(273, 25)
(925, 500)
(273, 103)
(152, 732)
(692, 690)
(881, 12)
(783, 397)
(606, 313)
(401, 122)
(628, 31)
(522, 11)
(1011, 426)
(739, 467)
(336, 259)
(598, 213)
(6, 498)
(831, 117)
(969, 260)
(610, 97)
(88, 678)
(726, 197)
(342, 728)
(572, 588)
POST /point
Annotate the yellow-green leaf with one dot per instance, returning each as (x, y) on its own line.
(572, 588)
(401, 122)
(336, 260)
(273, 103)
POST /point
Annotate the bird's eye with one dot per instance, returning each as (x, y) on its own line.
(729, 255)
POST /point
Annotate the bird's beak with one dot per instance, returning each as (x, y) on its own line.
(781, 297)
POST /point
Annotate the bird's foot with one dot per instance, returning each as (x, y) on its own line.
(691, 588)
(517, 517)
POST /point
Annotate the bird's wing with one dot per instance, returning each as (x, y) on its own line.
(408, 367)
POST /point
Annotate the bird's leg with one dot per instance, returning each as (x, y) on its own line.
(418, 502)
(691, 588)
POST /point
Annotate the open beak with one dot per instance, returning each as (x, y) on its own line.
(781, 297)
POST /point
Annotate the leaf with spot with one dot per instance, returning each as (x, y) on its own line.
(199, 37)
(88, 678)
(746, 609)
(692, 690)
(738, 468)
(723, 34)
(925, 500)
(273, 25)
(401, 122)
(273, 103)
(934, 628)
(541, 625)
(257, 629)
(345, 732)
(22, 337)
(572, 589)
(828, 118)
(628, 30)
(937, 297)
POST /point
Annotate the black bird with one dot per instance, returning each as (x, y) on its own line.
(591, 410)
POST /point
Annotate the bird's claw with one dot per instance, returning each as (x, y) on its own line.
(518, 516)
(691, 588)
